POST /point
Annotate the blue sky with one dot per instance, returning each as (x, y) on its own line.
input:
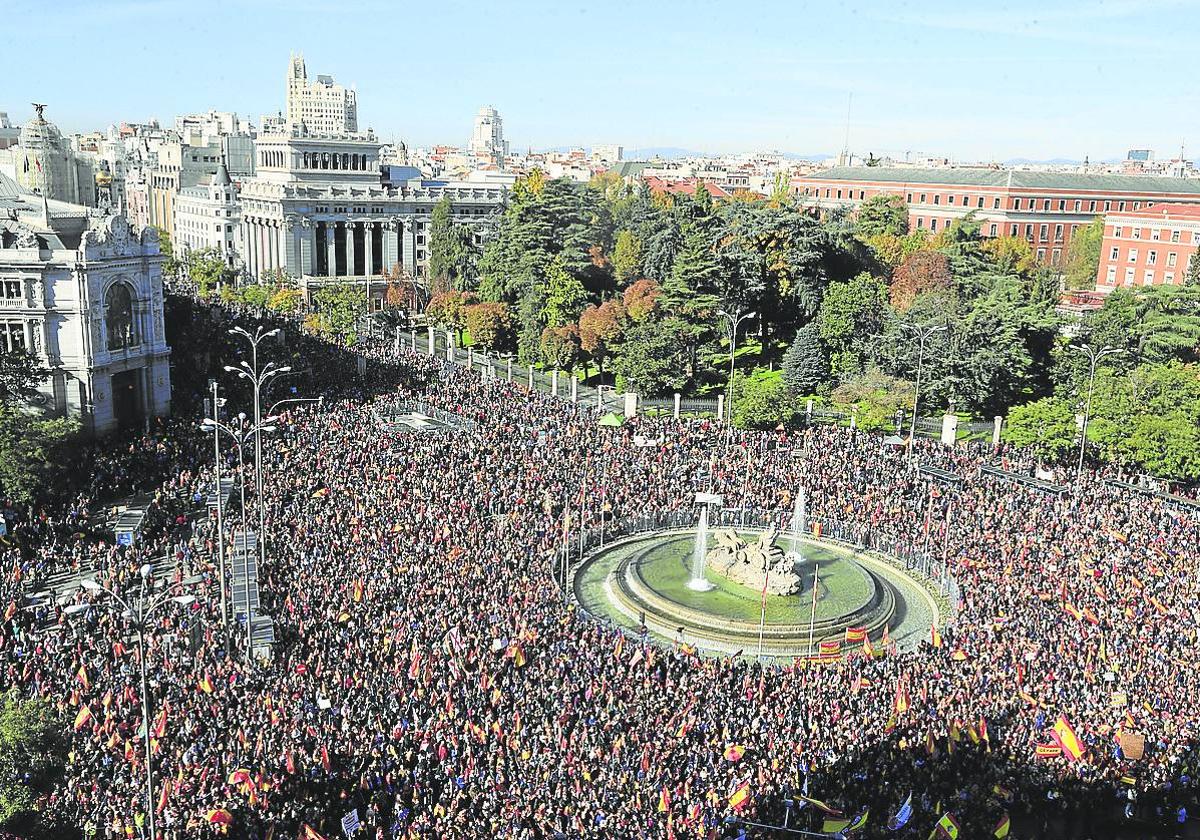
(1023, 78)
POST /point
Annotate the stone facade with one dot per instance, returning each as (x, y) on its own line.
(83, 292)
(209, 216)
(318, 209)
(322, 106)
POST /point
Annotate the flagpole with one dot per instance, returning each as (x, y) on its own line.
(812, 615)
(762, 616)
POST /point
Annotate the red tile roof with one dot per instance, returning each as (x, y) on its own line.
(1164, 211)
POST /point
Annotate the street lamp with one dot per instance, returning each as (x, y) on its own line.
(241, 437)
(924, 333)
(734, 318)
(257, 380)
(139, 612)
(205, 425)
(1094, 357)
(600, 389)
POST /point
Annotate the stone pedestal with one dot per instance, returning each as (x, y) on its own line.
(677, 399)
(631, 402)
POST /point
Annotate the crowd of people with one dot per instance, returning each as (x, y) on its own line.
(430, 673)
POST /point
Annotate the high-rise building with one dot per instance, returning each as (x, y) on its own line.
(322, 106)
(487, 138)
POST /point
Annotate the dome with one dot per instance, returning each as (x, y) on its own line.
(220, 178)
(39, 133)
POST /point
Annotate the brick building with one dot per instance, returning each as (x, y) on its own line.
(1151, 246)
(1045, 208)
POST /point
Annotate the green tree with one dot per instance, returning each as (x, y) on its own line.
(32, 756)
(627, 258)
(805, 366)
(1047, 426)
(30, 444)
(763, 403)
(1191, 275)
(448, 310)
(648, 358)
(171, 266)
(452, 250)
(882, 215)
(1011, 254)
(874, 397)
(565, 296)
(850, 313)
(1167, 445)
(1083, 255)
(559, 347)
(340, 305)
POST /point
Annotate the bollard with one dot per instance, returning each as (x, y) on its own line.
(999, 423)
(554, 382)
(431, 341)
(677, 399)
(720, 406)
(531, 377)
(631, 401)
(574, 390)
(449, 346)
(510, 370)
(808, 413)
(414, 341)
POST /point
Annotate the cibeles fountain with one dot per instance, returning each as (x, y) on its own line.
(725, 588)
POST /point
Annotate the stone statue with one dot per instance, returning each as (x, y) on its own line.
(753, 564)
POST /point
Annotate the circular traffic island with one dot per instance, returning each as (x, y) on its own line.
(648, 582)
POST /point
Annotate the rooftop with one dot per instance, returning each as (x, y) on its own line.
(1016, 178)
(1164, 211)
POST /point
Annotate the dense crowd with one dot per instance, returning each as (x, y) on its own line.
(430, 674)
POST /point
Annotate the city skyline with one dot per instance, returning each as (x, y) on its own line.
(671, 76)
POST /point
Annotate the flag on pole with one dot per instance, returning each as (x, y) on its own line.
(734, 752)
(947, 826)
(83, 717)
(82, 676)
(1002, 827)
(935, 638)
(740, 796)
(311, 833)
(819, 805)
(664, 801)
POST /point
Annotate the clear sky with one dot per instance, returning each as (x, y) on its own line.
(998, 80)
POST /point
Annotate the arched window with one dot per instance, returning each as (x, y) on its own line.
(118, 317)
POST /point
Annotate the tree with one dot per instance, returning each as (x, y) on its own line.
(340, 304)
(489, 325)
(923, 271)
(171, 266)
(761, 403)
(1191, 276)
(446, 309)
(599, 329)
(850, 313)
(891, 250)
(32, 756)
(559, 347)
(641, 299)
(627, 257)
(452, 251)
(30, 444)
(208, 270)
(805, 367)
(1167, 445)
(1083, 255)
(565, 296)
(289, 301)
(648, 358)
(882, 215)
(875, 398)
(1011, 254)
(1047, 426)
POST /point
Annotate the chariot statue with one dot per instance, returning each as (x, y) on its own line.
(753, 564)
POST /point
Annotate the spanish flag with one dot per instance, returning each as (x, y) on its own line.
(829, 650)
(163, 796)
(902, 703)
(205, 684)
(734, 752)
(935, 638)
(239, 777)
(833, 826)
(1067, 739)
(868, 650)
(947, 826)
(740, 796)
(160, 723)
(83, 717)
(82, 676)
(664, 801)
(358, 591)
(854, 635)
(1002, 827)
(311, 833)
(821, 806)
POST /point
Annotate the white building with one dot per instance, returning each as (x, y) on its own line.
(83, 292)
(208, 216)
(487, 137)
(608, 153)
(323, 106)
(318, 209)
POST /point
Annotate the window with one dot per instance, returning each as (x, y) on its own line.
(1148, 278)
(1174, 236)
(1078, 205)
(1117, 232)
(937, 199)
(1045, 204)
(1015, 230)
(1129, 277)
(980, 202)
(1041, 255)
(933, 224)
(909, 199)
(12, 290)
(992, 230)
(861, 194)
(839, 195)
(949, 199)
(1169, 277)
(1133, 255)
(1092, 206)
(12, 336)
(1171, 257)
(1151, 257)
(1056, 256)
(1062, 205)
(1107, 206)
(1120, 206)
(1058, 233)
(1137, 233)
(1111, 276)
(1155, 234)
(1116, 253)
(1029, 231)
(920, 223)
(1044, 232)
(118, 317)
(995, 203)
(922, 198)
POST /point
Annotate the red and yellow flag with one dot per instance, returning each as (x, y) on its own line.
(1047, 751)
(205, 684)
(82, 676)
(83, 717)
(311, 833)
(854, 635)
(1065, 735)
(935, 638)
(734, 752)
(740, 796)
(664, 801)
